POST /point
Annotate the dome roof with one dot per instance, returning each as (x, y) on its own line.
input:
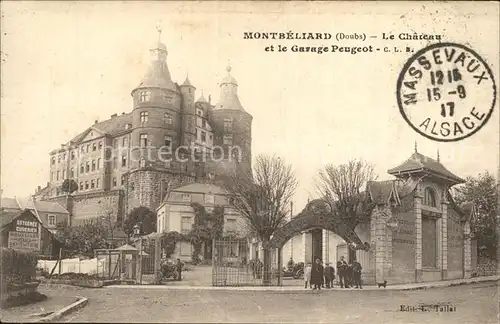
(160, 46)
(229, 78)
(201, 98)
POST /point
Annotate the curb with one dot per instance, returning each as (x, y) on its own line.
(80, 303)
(295, 289)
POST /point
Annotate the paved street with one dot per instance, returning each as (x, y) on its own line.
(475, 303)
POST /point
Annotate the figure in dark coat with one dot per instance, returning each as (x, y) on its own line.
(178, 267)
(341, 272)
(317, 275)
(329, 275)
(356, 268)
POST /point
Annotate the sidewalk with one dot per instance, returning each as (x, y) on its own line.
(412, 286)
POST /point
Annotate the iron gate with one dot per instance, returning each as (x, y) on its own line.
(232, 265)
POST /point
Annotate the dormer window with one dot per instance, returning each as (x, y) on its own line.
(429, 197)
(144, 96)
(228, 125)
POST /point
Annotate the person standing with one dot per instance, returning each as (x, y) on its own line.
(329, 275)
(178, 267)
(341, 272)
(349, 275)
(317, 275)
(356, 269)
(307, 275)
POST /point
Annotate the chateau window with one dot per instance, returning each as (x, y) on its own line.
(72, 172)
(53, 161)
(144, 116)
(97, 183)
(142, 163)
(143, 140)
(429, 197)
(88, 148)
(98, 163)
(86, 185)
(168, 140)
(93, 165)
(124, 160)
(52, 176)
(64, 157)
(228, 139)
(211, 137)
(122, 180)
(82, 168)
(58, 159)
(228, 125)
(115, 163)
(196, 133)
(64, 174)
(125, 141)
(72, 155)
(144, 96)
(114, 182)
(94, 147)
(115, 143)
(52, 220)
(82, 149)
(92, 184)
(81, 185)
(57, 176)
(203, 137)
(87, 167)
(167, 118)
(186, 197)
(204, 123)
(231, 225)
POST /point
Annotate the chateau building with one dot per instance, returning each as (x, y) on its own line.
(167, 140)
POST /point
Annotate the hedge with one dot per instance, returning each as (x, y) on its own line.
(17, 267)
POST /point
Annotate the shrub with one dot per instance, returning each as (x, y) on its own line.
(17, 267)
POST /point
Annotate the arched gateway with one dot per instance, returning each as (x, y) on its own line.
(317, 214)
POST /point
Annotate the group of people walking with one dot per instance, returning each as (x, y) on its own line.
(320, 276)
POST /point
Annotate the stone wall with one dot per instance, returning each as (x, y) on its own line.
(403, 243)
(147, 187)
(93, 205)
(455, 245)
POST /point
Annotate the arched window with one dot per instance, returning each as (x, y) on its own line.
(429, 197)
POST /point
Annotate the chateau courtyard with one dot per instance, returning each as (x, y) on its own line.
(474, 303)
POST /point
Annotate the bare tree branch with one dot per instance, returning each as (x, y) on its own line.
(342, 185)
(263, 198)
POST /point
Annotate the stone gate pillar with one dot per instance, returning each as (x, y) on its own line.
(467, 251)
(418, 233)
(444, 239)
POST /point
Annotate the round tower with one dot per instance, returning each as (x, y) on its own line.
(156, 115)
(232, 128)
(188, 113)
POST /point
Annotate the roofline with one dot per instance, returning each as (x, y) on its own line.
(457, 180)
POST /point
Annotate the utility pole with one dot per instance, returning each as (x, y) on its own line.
(291, 240)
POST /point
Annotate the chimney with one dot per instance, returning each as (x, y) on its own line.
(96, 121)
(114, 115)
(123, 113)
(38, 188)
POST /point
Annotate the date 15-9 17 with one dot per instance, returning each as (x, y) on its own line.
(446, 92)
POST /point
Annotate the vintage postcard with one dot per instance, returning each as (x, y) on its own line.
(238, 161)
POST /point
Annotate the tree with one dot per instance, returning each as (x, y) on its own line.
(109, 216)
(342, 186)
(262, 198)
(82, 240)
(69, 186)
(142, 216)
(482, 193)
(206, 227)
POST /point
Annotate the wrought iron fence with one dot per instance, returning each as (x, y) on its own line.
(232, 266)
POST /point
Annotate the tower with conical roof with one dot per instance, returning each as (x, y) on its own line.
(233, 127)
(157, 109)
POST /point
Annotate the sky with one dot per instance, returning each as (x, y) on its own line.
(66, 64)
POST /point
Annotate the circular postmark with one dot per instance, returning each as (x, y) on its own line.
(446, 92)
